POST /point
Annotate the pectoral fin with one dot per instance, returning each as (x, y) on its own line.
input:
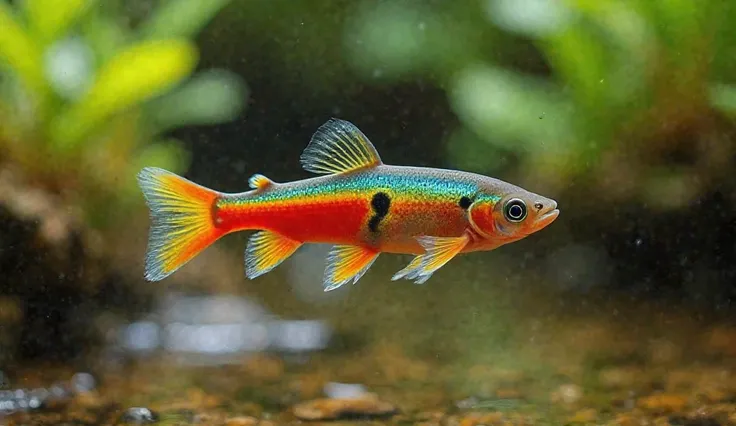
(345, 263)
(438, 251)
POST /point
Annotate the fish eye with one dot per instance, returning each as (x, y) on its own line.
(514, 210)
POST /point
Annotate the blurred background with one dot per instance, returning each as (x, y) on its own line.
(624, 111)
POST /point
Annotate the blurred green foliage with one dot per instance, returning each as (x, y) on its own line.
(632, 98)
(623, 83)
(88, 96)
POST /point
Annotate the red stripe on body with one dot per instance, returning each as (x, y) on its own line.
(316, 220)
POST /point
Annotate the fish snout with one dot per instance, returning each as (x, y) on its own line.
(547, 212)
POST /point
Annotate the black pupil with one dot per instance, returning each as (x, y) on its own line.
(515, 211)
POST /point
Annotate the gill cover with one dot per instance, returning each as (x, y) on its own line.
(480, 216)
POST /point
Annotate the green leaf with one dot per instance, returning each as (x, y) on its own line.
(50, 19)
(580, 59)
(20, 51)
(723, 97)
(210, 97)
(104, 36)
(464, 147)
(133, 76)
(181, 18)
(514, 112)
(167, 154)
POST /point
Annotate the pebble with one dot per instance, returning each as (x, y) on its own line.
(509, 393)
(139, 415)
(567, 394)
(584, 416)
(333, 409)
(663, 403)
(241, 421)
(344, 390)
(625, 420)
(721, 341)
(88, 400)
(619, 377)
(693, 421)
(476, 419)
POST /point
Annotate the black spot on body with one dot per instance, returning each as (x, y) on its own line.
(380, 203)
(465, 202)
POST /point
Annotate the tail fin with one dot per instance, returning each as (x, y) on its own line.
(182, 223)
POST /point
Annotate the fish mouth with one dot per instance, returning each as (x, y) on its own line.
(548, 217)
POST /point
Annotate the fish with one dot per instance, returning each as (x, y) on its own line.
(356, 203)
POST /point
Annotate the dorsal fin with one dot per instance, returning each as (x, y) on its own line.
(338, 146)
(258, 181)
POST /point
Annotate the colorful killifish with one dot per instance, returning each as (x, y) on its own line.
(361, 205)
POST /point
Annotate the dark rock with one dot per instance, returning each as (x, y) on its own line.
(697, 421)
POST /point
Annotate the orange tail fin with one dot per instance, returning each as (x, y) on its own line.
(182, 223)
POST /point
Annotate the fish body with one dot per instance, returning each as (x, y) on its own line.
(360, 205)
(383, 208)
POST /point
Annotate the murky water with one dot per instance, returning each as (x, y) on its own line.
(228, 360)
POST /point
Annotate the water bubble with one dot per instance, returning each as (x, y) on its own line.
(36, 397)
(7, 406)
(83, 382)
(58, 391)
(21, 403)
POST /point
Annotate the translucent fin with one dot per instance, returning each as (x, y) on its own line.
(258, 181)
(411, 267)
(438, 251)
(345, 263)
(181, 220)
(337, 147)
(266, 250)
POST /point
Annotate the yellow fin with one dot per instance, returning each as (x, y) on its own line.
(438, 251)
(411, 267)
(258, 181)
(338, 147)
(181, 221)
(266, 250)
(345, 263)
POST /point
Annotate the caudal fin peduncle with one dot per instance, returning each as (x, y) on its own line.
(182, 223)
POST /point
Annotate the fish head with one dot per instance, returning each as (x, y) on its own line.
(511, 215)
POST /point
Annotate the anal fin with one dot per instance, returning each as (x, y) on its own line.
(438, 251)
(409, 269)
(266, 250)
(345, 263)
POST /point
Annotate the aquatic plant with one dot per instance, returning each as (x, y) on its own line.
(631, 98)
(614, 91)
(88, 97)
